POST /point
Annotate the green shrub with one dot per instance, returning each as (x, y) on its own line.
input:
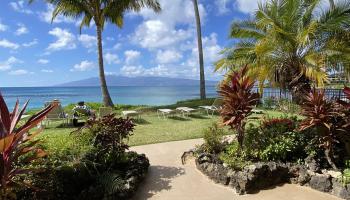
(233, 159)
(345, 177)
(269, 102)
(213, 139)
(275, 139)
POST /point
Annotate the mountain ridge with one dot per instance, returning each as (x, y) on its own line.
(113, 80)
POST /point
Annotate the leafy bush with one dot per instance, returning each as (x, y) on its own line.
(325, 116)
(345, 177)
(232, 159)
(238, 102)
(213, 139)
(269, 102)
(275, 139)
(17, 146)
(109, 133)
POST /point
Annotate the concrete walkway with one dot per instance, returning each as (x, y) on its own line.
(168, 179)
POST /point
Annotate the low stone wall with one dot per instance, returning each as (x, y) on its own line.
(262, 175)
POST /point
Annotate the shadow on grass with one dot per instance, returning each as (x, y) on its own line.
(141, 121)
(179, 118)
(159, 178)
(199, 116)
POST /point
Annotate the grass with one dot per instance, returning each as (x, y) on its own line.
(149, 130)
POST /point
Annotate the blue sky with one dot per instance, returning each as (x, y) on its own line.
(36, 52)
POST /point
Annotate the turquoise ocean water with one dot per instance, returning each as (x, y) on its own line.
(131, 95)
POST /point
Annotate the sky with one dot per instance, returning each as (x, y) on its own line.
(37, 52)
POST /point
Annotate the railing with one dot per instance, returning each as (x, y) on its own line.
(277, 93)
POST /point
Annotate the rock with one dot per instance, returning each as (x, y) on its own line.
(298, 174)
(321, 183)
(340, 190)
(312, 163)
(334, 174)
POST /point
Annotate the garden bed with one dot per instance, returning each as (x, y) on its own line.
(263, 175)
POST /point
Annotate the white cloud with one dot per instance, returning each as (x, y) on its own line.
(248, 6)
(46, 16)
(110, 39)
(19, 6)
(168, 56)
(83, 66)
(19, 72)
(111, 58)
(65, 40)
(47, 70)
(222, 6)
(3, 27)
(22, 29)
(43, 61)
(111, 73)
(131, 56)
(117, 46)
(32, 43)
(7, 44)
(88, 41)
(7, 65)
(162, 30)
(132, 70)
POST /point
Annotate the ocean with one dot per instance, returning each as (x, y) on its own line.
(130, 95)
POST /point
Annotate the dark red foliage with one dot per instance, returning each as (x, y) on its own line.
(111, 132)
(285, 122)
(15, 142)
(238, 101)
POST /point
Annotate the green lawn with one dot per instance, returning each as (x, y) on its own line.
(150, 129)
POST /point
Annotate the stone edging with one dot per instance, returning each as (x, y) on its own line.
(263, 175)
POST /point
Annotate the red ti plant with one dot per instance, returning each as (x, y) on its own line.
(323, 115)
(238, 101)
(16, 142)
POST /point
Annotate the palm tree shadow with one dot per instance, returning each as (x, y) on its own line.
(179, 118)
(141, 121)
(159, 178)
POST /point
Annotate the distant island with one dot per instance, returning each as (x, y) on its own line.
(136, 81)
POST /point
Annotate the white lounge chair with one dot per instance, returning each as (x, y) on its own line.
(164, 112)
(130, 113)
(185, 110)
(56, 114)
(213, 108)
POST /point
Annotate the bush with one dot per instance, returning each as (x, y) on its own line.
(269, 102)
(213, 139)
(275, 139)
(232, 159)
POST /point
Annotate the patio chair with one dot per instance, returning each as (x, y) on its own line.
(215, 107)
(56, 114)
(131, 113)
(164, 112)
(185, 111)
(104, 111)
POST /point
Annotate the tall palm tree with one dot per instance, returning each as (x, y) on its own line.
(200, 50)
(100, 12)
(289, 45)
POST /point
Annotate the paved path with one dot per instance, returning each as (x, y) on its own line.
(168, 179)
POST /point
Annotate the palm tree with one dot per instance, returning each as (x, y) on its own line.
(100, 12)
(288, 45)
(200, 50)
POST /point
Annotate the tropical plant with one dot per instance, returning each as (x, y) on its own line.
(200, 50)
(17, 145)
(109, 133)
(238, 101)
(290, 43)
(213, 139)
(324, 115)
(100, 12)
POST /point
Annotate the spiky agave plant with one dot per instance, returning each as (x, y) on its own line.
(324, 115)
(16, 143)
(238, 101)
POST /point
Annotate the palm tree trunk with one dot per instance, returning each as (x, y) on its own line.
(107, 101)
(332, 4)
(200, 50)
